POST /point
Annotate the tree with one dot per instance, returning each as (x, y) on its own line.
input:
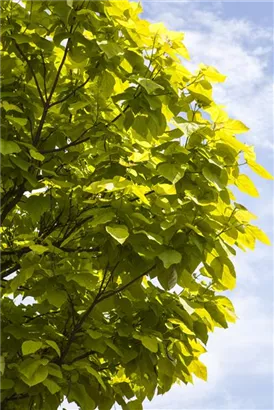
(117, 167)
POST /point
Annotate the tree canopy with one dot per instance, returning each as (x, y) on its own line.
(118, 216)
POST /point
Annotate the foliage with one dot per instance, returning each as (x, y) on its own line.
(117, 167)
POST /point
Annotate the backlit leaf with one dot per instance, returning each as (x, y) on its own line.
(118, 232)
(31, 346)
(170, 257)
(244, 183)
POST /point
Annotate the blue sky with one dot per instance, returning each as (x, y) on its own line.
(237, 39)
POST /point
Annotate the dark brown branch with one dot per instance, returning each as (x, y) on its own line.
(121, 288)
(60, 68)
(45, 75)
(12, 203)
(17, 252)
(72, 144)
(32, 72)
(82, 356)
(98, 298)
(47, 103)
(66, 97)
(10, 271)
(29, 319)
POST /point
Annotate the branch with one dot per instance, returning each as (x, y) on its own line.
(98, 298)
(60, 68)
(43, 314)
(69, 94)
(47, 103)
(121, 288)
(72, 144)
(69, 250)
(45, 75)
(10, 271)
(15, 251)
(12, 203)
(82, 356)
(32, 72)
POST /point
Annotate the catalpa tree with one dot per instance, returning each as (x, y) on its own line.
(117, 168)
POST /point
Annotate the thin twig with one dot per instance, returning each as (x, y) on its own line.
(32, 72)
(70, 94)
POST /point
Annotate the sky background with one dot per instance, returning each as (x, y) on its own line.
(237, 39)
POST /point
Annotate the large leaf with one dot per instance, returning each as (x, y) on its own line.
(170, 257)
(8, 147)
(118, 232)
(31, 346)
(150, 343)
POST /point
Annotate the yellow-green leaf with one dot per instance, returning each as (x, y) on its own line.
(149, 85)
(8, 147)
(165, 189)
(244, 183)
(170, 257)
(259, 234)
(52, 386)
(40, 249)
(31, 346)
(54, 346)
(118, 232)
(211, 74)
(260, 170)
(150, 343)
(36, 155)
(139, 157)
(235, 126)
(199, 369)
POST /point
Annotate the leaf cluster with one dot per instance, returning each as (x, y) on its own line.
(117, 167)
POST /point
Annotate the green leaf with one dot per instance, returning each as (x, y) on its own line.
(31, 346)
(6, 384)
(94, 334)
(170, 257)
(150, 343)
(109, 48)
(54, 346)
(172, 172)
(21, 38)
(8, 147)
(24, 165)
(135, 405)
(56, 297)
(37, 377)
(118, 232)
(149, 85)
(40, 249)
(2, 364)
(17, 121)
(92, 371)
(102, 218)
(52, 386)
(165, 189)
(37, 155)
